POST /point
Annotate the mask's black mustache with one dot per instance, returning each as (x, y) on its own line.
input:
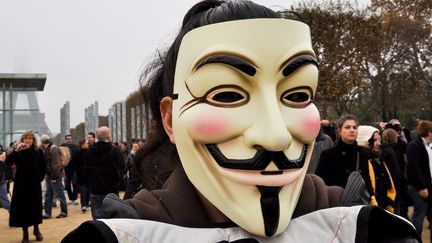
(259, 161)
(270, 208)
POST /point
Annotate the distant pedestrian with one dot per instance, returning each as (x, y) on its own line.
(134, 182)
(329, 129)
(383, 190)
(322, 142)
(53, 179)
(82, 174)
(394, 160)
(70, 180)
(419, 157)
(106, 169)
(26, 205)
(125, 152)
(4, 199)
(91, 138)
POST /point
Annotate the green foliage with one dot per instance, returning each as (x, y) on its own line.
(374, 62)
(78, 132)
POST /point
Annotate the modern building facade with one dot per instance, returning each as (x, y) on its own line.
(65, 120)
(91, 118)
(117, 121)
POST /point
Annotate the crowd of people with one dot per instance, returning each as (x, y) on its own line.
(393, 167)
(42, 172)
(394, 163)
(230, 152)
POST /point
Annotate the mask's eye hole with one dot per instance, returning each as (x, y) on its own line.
(227, 96)
(297, 98)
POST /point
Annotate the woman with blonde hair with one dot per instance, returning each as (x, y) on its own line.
(26, 205)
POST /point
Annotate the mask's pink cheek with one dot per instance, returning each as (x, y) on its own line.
(210, 125)
(312, 125)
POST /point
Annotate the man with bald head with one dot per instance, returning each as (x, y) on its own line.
(106, 166)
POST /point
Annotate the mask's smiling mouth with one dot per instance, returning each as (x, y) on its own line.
(259, 161)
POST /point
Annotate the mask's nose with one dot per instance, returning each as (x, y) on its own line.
(268, 129)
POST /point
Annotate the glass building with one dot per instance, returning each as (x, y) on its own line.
(19, 108)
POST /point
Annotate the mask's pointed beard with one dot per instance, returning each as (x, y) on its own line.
(270, 208)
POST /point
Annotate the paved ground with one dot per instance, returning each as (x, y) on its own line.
(54, 229)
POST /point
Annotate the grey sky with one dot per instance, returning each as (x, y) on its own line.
(90, 50)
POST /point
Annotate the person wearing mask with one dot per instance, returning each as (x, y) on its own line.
(336, 163)
(26, 205)
(233, 102)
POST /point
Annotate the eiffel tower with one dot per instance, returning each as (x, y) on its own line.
(19, 108)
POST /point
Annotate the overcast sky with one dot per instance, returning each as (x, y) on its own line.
(90, 50)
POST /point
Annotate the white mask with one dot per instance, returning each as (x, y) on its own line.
(245, 87)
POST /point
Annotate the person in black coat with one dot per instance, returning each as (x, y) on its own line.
(26, 205)
(396, 163)
(82, 175)
(419, 175)
(134, 182)
(105, 168)
(336, 163)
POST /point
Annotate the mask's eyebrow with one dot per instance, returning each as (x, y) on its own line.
(296, 63)
(233, 61)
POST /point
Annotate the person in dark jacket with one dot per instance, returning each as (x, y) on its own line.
(82, 175)
(322, 142)
(70, 171)
(105, 169)
(134, 182)
(336, 163)
(395, 160)
(26, 205)
(53, 179)
(232, 98)
(419, 159)
(4, 199)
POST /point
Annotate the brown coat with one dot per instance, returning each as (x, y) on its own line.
(178, 203)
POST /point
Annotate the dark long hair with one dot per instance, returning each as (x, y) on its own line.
(158, 78)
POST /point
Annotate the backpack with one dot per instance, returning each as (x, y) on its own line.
(61, 155)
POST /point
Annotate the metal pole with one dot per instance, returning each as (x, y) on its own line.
(4, 114)
(11, 111)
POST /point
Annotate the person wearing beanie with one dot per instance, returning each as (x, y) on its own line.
(383, 190)
(45, 139)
